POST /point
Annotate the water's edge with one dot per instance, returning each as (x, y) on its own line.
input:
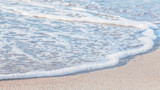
(122, 63)
(149, 39)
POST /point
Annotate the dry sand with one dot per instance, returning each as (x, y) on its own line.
(141, 73)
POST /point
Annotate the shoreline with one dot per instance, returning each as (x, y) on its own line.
(140, 73)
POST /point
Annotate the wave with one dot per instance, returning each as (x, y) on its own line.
(62, 15)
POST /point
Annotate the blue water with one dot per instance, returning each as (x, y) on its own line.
(59, 37)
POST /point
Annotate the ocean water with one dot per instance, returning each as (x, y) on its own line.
(41, 38)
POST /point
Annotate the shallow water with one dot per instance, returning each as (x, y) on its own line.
(40, 38)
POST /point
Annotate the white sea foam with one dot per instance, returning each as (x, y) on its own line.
(40, 39)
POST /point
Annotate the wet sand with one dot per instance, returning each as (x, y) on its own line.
(141, 73)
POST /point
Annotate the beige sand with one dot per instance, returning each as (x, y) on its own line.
(141, 73)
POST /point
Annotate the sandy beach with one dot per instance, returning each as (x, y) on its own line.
(57, 37)
(141, 73)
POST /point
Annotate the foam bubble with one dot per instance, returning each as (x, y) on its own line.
(40, 39)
